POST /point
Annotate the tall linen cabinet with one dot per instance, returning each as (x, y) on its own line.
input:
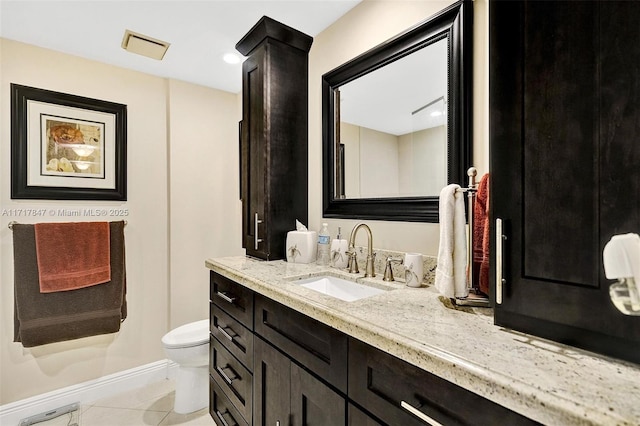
(273, 136)
(565, 122)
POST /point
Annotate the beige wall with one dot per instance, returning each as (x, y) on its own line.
(423, 156)
(393, 166)
(183, 193)
(205, 214)
(364, 27)
(378, 163)
(182, 163)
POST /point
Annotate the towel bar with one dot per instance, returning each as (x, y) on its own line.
(13, 222)
(475, 298)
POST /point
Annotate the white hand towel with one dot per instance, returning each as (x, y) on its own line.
(452, 253)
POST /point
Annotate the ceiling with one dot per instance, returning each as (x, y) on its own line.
(200, 32)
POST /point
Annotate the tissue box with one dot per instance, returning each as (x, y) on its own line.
(302, 246)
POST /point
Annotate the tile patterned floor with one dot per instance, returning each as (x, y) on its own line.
(149, 405)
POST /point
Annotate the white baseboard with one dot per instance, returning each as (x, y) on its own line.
(87, 392)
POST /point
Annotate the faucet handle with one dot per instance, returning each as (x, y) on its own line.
(353, 261)
(388, 270)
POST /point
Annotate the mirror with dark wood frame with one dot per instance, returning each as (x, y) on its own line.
(367, 83)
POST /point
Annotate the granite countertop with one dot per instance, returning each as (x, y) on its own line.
(543, 380)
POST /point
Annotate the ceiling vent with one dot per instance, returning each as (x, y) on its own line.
(144, 45)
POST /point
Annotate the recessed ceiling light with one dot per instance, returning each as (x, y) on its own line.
(144, 45)
(231, 58)
(436, 113)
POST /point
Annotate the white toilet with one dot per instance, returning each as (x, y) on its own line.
(188, 346)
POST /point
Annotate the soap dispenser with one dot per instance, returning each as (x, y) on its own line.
(621, 259)
(339, 248)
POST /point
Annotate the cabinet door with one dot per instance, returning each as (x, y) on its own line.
(271, 386)
(357, 417)
(313, 403)
(565, 114)
(254, 154)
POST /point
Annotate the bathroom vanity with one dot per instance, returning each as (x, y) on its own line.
(282, 353)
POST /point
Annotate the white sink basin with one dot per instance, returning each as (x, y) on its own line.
(339, 288)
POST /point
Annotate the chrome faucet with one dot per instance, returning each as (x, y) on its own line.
(353, 261)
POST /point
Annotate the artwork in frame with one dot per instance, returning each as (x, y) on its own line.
(67, 147)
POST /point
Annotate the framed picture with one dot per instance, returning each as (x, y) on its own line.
(66, 147)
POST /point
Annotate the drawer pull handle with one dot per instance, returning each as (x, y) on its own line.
(500, 281)
(419, 414)
(225, 334)
(255, 231)
(226, 378)
(226, 413)
(224, 296)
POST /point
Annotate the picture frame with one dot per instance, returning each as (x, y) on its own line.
(67, 147)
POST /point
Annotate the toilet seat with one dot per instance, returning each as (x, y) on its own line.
(188, 335)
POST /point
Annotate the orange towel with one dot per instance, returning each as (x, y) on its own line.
(481, 235)
(72, 255)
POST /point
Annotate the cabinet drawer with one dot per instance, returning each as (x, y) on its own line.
(318, 347)
(232, 377)
(357, 417)
(233, 298)
(388, 387)
(221, 409)
(232, 335)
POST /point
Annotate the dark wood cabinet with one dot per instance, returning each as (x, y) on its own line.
(231, 334)
(285, 394)
(300, 341)
(318, 347)
(222, 411)
(273, 136)
(313, 402)
(304, 372)
(565, 120)
(284, 373)
(357, 417)
(233, 298)
(230, 351)
(233, 378)
(399, 393)
(272, 387)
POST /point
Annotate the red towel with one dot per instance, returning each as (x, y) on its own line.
(481, 235)
(72, 255)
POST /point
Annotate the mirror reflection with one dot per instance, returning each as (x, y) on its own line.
(396, 122)
(393, 131)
